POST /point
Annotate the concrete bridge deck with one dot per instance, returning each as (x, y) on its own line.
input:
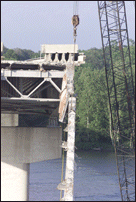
(38, 87)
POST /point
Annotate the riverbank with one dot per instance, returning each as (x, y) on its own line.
(98, 146)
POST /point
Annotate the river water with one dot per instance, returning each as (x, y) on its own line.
(95, 178)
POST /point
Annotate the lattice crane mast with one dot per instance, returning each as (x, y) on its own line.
(121, 94)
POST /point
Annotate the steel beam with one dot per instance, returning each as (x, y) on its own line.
(31, 73)
(45, 79)
(29, 99)
(14, 87)
(54, 84)
(69, 176)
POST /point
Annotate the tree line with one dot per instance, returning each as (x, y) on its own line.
(19, 54)
(93, 127)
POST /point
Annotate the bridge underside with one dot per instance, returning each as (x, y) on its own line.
(30, 89)
(26, 107)
(39, 86)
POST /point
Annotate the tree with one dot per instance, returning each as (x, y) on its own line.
(93, 124)
(11, 55)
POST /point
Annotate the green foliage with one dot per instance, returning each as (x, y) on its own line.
(94, 57)
(19, 54)
(92, 113)
(92, 121)
(4, 49)
(10, 55)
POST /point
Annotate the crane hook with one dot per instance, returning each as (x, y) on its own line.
(75, 22)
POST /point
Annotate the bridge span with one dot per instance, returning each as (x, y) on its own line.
(34, 99)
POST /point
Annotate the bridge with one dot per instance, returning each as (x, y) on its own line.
(35, 95)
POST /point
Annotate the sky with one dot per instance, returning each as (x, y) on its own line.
(29, 24)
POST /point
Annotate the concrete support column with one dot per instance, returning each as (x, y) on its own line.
(9, 119)
(48, 57)
(14, 181)
(63, 57)
(71, 58)
(19, 147)
(56, 58)
(69, 176)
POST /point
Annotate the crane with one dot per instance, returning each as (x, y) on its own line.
(113, 26)
(114, 36)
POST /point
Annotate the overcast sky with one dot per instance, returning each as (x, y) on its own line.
(29, 24)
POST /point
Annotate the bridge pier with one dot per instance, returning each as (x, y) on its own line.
(14, 181)
(21, 146)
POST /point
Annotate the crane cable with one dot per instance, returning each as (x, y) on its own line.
(75, 8)
(62, 164)
(75, 22)
(75, 19)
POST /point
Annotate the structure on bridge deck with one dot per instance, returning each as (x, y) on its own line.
(33, 90)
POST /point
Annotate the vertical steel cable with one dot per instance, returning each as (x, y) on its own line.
(62, 162)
